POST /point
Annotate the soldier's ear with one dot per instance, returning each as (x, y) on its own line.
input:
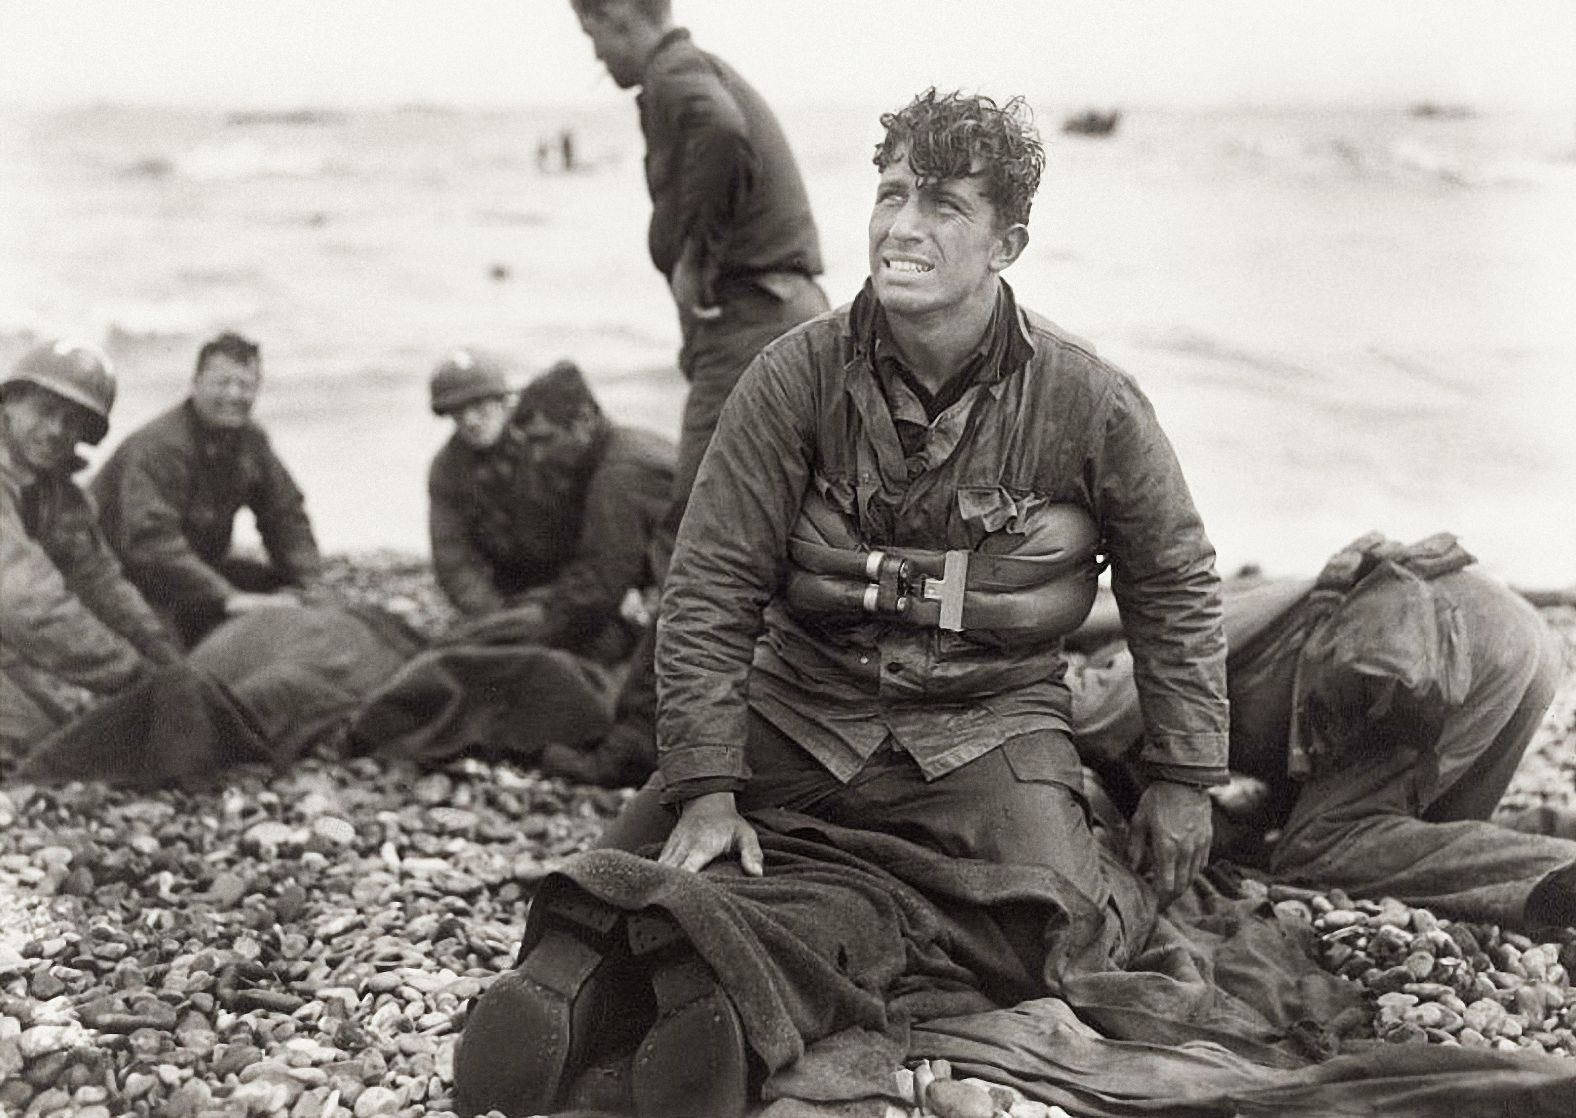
(1010, 243)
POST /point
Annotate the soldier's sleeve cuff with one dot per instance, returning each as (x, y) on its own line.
(1186, 751)
(694, 770)
(1187, 774)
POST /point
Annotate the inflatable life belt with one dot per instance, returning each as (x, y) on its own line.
(1038, 592)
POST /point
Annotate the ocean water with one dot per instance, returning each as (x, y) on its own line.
(1346, 319)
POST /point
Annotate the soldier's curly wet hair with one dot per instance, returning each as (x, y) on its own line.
(941, 136)
(652, 11)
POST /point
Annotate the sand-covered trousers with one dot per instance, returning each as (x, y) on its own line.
(1395, 825)
(716, 353)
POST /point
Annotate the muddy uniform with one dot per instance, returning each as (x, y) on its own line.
(71, 626)
(167, 500)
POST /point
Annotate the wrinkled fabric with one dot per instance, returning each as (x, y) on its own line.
(1023, 804)
(498, 701)
(1064, 426)
(71, 625)
(1383, 649)
(720, 173)
(301, 670)
(33, 704)
(716, 353)
(261, 688)
(167, 499)
(176, 725)
(504, 533)
(856, 950)
(1042, 1049)
(849, 928)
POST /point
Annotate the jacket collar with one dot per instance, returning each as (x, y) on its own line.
(1007, 335)
(675, 36)
(206, 435)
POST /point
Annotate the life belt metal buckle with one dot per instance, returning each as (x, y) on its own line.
(890, 581)
(949, 590)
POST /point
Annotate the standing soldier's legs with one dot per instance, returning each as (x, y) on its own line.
(716, 353)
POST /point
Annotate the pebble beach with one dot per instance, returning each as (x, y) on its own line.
(304, 943)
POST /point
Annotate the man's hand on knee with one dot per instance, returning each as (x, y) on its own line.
(1169, 838)
(710, 826)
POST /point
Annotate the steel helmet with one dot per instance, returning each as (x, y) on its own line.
(465, 376)
(74, 371)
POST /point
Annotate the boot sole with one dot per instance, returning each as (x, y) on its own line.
(532, 1029)
(694, 1060)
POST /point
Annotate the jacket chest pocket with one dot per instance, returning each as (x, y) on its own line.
(994, 517)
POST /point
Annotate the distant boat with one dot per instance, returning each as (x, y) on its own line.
(1434, 110)
(284, 116)
(1092, 123)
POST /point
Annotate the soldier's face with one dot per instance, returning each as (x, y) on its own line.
(224, 391)
(43, 429)
(616, 47)
(935, 245)
(556, 444)
(480, 423)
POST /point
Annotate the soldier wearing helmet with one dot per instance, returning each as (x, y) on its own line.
(71, 626)
(538, 498)
(169, 495)
(545, 518)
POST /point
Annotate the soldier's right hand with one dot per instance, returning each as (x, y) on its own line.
(710, 826)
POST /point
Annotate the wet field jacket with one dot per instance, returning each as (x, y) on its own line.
(167, 500)
(1058, 427)
(65, 607)
(720, 171)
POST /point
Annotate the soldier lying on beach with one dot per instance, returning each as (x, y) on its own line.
(544, 517)
(72, 628)
(1386, 705)
(168, 496)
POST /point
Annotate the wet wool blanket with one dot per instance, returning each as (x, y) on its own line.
(856, 952)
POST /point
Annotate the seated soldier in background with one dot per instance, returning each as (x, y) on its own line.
(472, 483)
(543, 517)
(542, 510)
(71, 627)
(1385, 705)
(169, 493)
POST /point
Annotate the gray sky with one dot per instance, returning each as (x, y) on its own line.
(350, 52)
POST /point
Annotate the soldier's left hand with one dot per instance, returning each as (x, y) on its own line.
(1169, 837)
(689, 291)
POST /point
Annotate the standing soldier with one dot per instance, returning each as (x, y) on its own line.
(71, 627)
(731, 231)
